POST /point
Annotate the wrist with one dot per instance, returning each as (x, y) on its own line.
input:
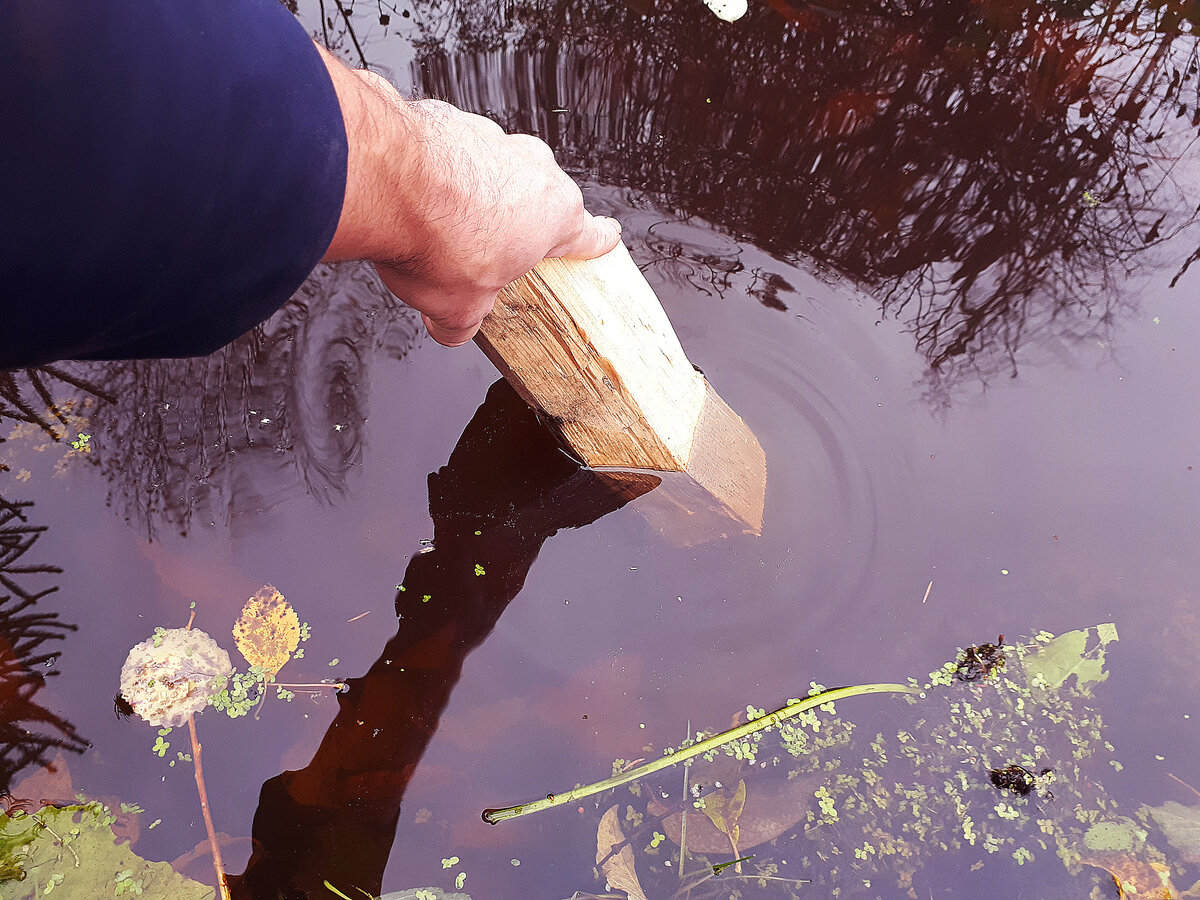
(381, 162)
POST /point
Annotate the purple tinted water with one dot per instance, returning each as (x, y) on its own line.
(818, 244)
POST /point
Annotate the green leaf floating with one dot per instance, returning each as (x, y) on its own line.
(1181, 825)
(71, 851)
(1079, 653)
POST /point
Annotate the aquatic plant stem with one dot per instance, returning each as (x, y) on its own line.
(1184, 783)
(683, 809)
(770, 720)
(313, 687)
(218, 865)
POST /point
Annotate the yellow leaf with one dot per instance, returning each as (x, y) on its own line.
(268, 630)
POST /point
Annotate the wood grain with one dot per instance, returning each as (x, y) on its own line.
(587, 343)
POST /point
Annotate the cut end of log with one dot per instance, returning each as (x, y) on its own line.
(727, 461)
(587, 343)
(722, 490)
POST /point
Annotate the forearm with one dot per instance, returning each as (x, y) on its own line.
(381, 137)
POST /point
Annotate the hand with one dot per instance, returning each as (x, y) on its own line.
(449, 207)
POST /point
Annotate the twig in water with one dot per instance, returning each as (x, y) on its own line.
(1184, 783)
(683, 810)
(927, 590)
(492, 816)
(218, 865)
(58, 838)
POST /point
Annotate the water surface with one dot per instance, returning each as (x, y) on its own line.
(936, 256)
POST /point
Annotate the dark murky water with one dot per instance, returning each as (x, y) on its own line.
(934, 255)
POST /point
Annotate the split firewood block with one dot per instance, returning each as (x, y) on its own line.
(588, 345)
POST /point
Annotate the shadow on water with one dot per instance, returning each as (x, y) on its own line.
(506, 489)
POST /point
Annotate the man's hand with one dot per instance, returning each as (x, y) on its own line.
(449, 207)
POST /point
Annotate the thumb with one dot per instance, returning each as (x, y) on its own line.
(598, 235)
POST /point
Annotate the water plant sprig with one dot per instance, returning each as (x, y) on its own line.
(770, 720)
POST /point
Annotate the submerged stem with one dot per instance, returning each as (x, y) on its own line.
(312, 686)
(218, 865)
(493, 816)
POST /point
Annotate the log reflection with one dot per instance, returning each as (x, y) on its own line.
(506, 488)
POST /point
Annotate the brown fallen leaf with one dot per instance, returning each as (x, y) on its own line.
(1135, 878)
(268, 631)
(617, 867)
(768, 811)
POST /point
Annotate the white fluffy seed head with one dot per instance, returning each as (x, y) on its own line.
(170, 676)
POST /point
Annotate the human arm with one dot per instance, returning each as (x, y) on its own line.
(449, 207)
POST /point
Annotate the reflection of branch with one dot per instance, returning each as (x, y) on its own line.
(350, 31)
(279, 410)
(23, 631)
(13, 382)
(942, 157)
(324, 27)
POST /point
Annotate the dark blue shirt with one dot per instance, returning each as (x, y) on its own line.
(172, 173)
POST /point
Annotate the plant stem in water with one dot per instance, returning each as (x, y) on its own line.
(770, 720)
(218, 865)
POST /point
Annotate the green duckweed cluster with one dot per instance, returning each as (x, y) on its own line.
(876, 808)
(238, 693)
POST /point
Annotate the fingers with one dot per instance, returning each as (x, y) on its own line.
(449, 336)
(459, 321)
(598, 235)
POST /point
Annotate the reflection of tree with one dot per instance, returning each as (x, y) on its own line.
(986, 167)
(506, 489)
(27, 729)
(33, 395)
(280, 409)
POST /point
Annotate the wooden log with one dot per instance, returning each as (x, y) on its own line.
(587, 343)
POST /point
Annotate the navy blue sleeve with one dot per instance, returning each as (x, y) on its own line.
(173, 172)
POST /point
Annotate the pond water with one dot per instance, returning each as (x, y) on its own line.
(938, 258)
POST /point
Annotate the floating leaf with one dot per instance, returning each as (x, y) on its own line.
(170, 676)
(1079, 653)
(1181, 825)
(617, 867)
(724, 809)
(1136, 879)
(770, 810)
(268, 631)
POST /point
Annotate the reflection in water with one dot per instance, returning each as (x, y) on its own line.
(279, 410)
(506, 488)
(984, 167)
(27, 729)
